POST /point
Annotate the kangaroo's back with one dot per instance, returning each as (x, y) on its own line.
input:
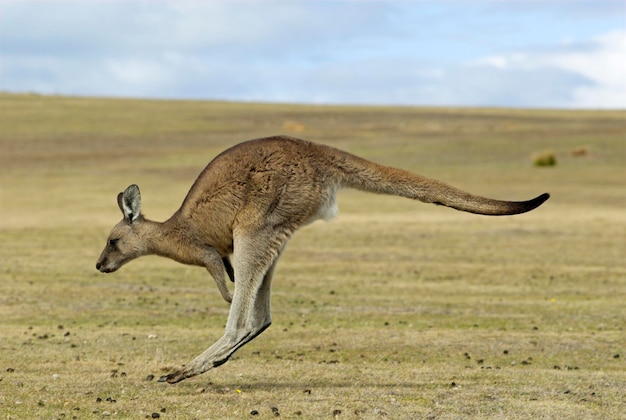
(274, 180)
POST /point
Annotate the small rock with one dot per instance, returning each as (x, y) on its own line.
(254, 413)
(336, 413)
(149, 378)
(380, 412)
(56, 376)
(155, 415)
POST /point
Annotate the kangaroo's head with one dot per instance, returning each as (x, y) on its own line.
(125, 241)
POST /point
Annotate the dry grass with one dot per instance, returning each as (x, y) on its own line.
(394, 309)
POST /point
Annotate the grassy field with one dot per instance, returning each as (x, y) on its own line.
(395, 309)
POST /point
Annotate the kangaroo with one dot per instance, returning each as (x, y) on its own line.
(247, 203)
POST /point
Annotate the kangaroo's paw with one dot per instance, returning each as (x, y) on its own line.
(173, 377)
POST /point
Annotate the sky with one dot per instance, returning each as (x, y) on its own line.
(521, 54)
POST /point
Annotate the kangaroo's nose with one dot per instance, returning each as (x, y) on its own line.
(98, 265)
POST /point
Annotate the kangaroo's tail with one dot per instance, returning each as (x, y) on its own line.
(361, 174)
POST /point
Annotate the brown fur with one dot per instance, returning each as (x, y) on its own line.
(248, 202)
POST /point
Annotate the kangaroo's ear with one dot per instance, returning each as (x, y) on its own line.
(130, 203)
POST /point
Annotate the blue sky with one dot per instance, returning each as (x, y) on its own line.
(530, 54)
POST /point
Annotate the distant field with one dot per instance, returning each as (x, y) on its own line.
(395, 309)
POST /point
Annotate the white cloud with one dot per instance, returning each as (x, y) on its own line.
(600, 64)
(417, 53)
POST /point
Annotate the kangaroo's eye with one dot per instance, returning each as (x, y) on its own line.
(113, 243)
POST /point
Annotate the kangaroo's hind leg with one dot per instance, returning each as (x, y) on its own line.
(249, 313)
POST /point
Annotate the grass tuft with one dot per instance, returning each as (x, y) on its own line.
(546, 158)
(580, 151)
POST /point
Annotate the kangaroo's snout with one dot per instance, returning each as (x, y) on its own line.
(101, 267)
